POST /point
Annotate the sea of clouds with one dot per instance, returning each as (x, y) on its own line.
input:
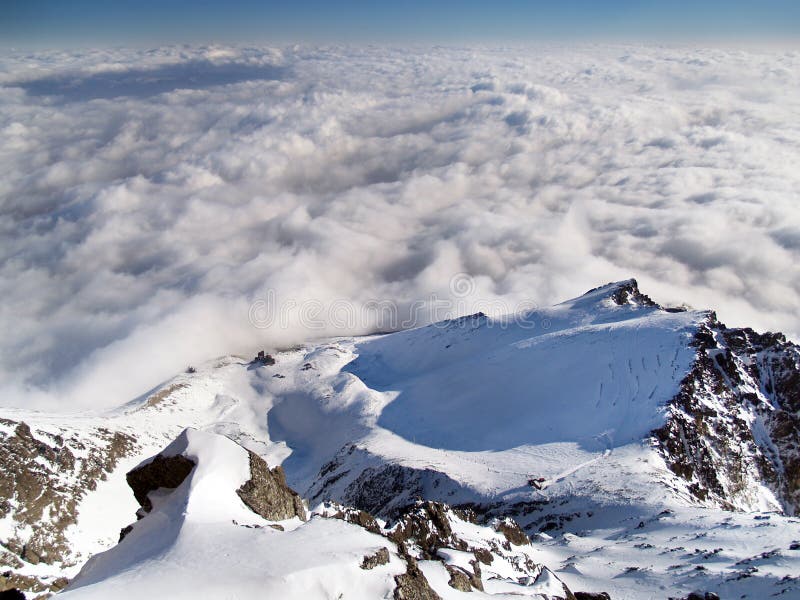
(149, 198)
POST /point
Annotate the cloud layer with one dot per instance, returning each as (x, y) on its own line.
(149, 197)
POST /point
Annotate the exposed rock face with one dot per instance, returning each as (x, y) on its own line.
(432, 531)
(267, 494)
(381, 557)
(513, 532)
(358, 517)
(161, 472)
(264, 359)
(628, 293)
(427, 525)
(384, 490)
(46, 473)
(592, 596)
(412, 584)
(735, 424)
(459, 579)
(163, 395)
(431, 528)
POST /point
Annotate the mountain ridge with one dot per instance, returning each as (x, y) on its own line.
(606, 404)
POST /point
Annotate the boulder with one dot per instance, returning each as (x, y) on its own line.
(381, 557)
(161, 472)
(267, 494)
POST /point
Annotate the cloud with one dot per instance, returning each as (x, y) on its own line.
(149, 198)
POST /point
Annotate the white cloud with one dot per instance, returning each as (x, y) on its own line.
(148, 197)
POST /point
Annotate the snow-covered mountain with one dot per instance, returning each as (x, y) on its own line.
(648, 452)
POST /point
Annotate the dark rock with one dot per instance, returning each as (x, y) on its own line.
(626, 292)
(459, 579)
(381, 557)
(476, 579)
(384, 491)
(59, 584)
(629, 293)
(161, 472)
(30, 555)
(45, 477)
(592, 596)
(267, 494)
(125, 531)
(702, 596)
(466, 513)
(412, 584)
(264, 359)
(12, 594)
(513, 532)
(358, 517)
(483, 555)
(427, 524)
(708, 438)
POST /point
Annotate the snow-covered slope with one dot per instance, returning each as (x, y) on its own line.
(584, 419)
(199, 538)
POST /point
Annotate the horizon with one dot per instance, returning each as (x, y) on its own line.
(50, 24)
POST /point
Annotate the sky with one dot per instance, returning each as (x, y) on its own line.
(55, 23)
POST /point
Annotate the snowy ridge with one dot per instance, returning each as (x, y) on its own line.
(202, 527)
(613, 430)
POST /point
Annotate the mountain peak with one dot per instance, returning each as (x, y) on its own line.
(619, 293)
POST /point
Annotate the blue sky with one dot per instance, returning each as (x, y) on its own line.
(88, 22)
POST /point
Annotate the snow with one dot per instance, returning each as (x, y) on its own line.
(568, 394)
(675, 553)
(492, 402)
(200, 540)
(111, 503)
(319, 559)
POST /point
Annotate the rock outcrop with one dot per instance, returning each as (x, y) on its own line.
(734, 427)
(46, 474)
(161, 472)
(412, 584)
(433, 531)
(267, 494)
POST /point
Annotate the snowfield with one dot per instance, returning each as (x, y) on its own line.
(550, 424)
